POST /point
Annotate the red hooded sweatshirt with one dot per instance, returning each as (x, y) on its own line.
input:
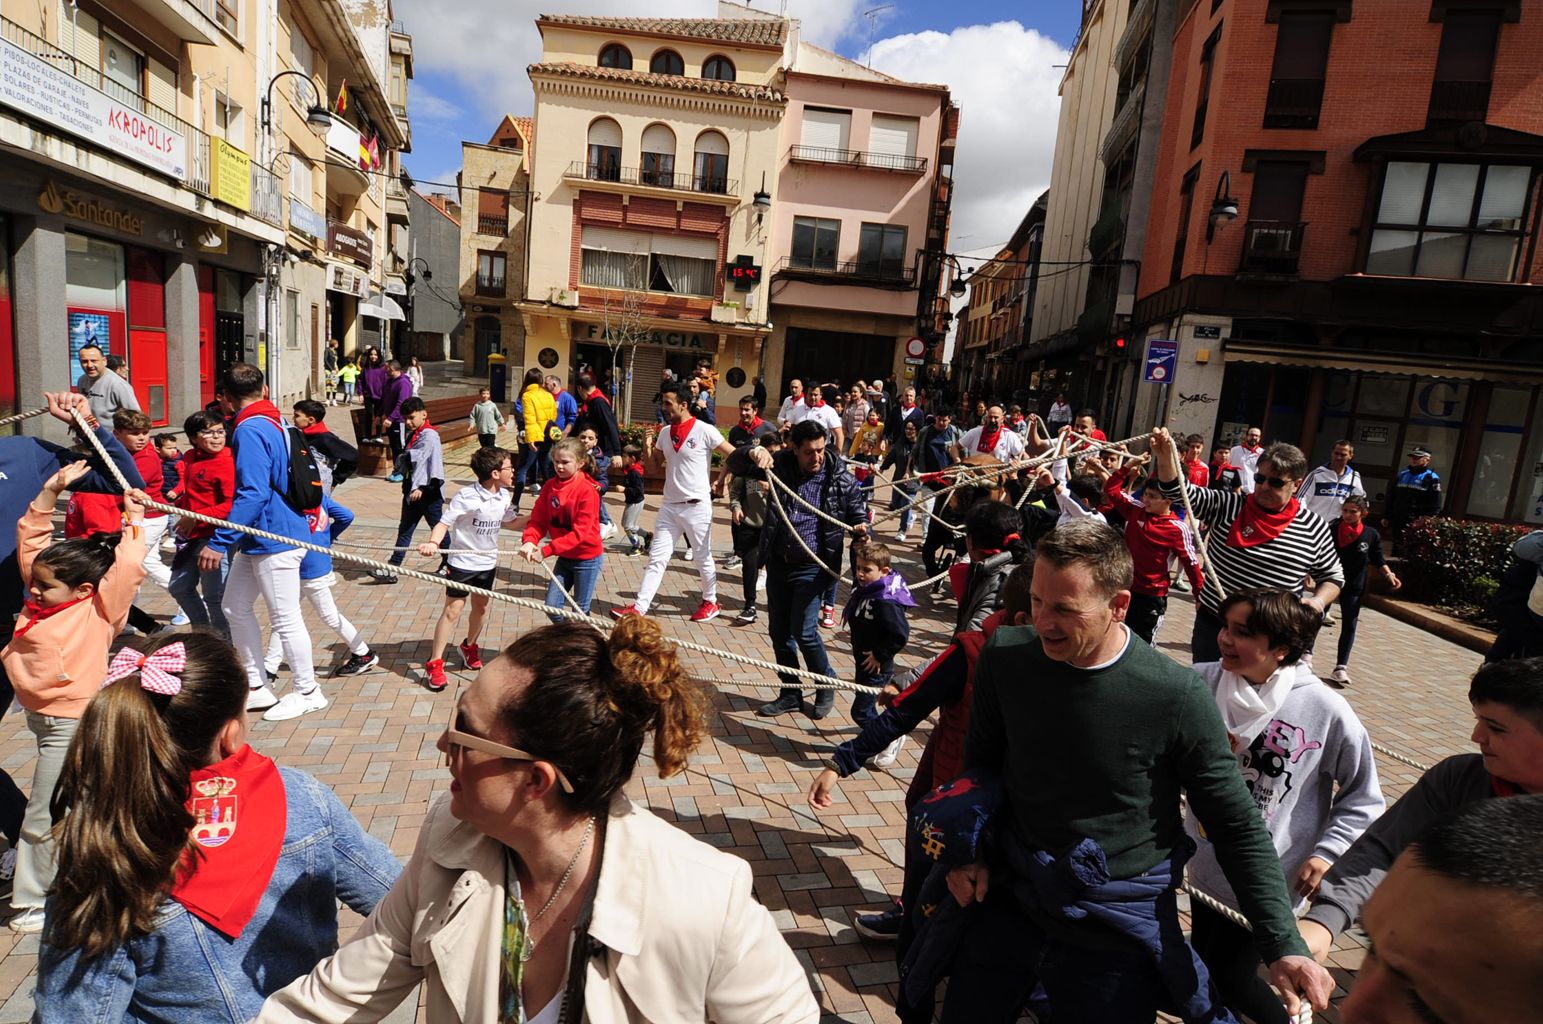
(568, 510)
(208, 486)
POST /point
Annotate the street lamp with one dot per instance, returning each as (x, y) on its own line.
(961, 283)
(317, 116)
(1223, 206)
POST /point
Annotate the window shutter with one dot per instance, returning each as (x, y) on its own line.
(492, 203)
(826, 129)
(712, 142)
(680, 245)
(83, 41)
(614, 239)
(658, 138)
(892, 136)
(163, 86)
(605, 132)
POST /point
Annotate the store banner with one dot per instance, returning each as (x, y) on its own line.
(343, 240)
(230, 175)
(51, 95)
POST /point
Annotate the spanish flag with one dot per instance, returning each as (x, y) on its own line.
(342, 104)
(364, 154)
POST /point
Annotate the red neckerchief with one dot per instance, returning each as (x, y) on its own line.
(417, 433)
(1255, 526)
(37, 614)
(753, 425)
(1017, 418)
(240, 813)
(1252, 451)
(796, 398)
(1345, 534)
(680, 431)
(988, 442)
(315, 428)
(819, 395)
(262, 407)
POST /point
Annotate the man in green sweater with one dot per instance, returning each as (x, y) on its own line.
(1095, 735)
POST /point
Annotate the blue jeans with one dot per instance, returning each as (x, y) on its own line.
(428, 510)
(899, 498)
(578, 577)
(533, 463)
(793, 595)
(187, 580)
(13, 802)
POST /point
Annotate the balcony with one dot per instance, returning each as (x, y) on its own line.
(267, 196)
(192, 21)
(1138, 28)
(1293, 103)
(1271, 247)
(1109, 230)
(491, 285)
(648, 178)
(1458, 102)
(858, 272)
(1126, 123)
(858, 158)
(494, 224)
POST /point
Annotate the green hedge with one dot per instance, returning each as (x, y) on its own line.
(1457, 561)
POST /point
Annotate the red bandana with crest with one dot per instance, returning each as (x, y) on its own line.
(680, 431)
(988, 442)
(1256, 525)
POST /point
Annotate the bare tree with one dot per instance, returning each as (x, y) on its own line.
(622, 328)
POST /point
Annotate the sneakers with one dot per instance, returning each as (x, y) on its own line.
(394, 478)
(471, 654)
(357, 664)
(260, 699)
(1328, 619)
(436, 673)
(899, 539)
(383, 576)
(294, 704)
(781, 706)
(706, 612)
(180, 619)
(1340, 676)
(746, 615)
(631, 609)
(731, 562)
(886, 757)
(1180, 586)
(828, 616)
(273, 677)
(884, 927)
(607, 531)
(27, 921)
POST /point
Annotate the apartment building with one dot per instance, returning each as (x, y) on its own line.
(1343, 237)
(653, 194)
(991, 348)
(144, 175)
(495, 188)
(860, 221)
(434, 305)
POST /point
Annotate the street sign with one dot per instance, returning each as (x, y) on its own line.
(1208, 331)
(916, 348)
(913, 361)
(1162, 361)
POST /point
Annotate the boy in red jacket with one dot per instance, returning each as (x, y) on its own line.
(1154, 535)
(568, 513)
(208, 486)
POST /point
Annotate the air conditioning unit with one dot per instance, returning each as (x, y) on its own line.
(566, 297)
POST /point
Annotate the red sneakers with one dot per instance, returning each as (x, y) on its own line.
(827, 616)
(471, 654)
(436, 671)
(709, 610)
(631, 609)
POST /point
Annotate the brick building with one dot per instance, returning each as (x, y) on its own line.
(1343, 236)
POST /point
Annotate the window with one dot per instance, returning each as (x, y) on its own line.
(122, 65)
(1272, 240)
(719, 68)
(712, 163)
(302, 58)
(302, 183)
(825, 130)
(227, 14)
(892, 142)
(1301, 60)
(667, 62)
(291, 319)
(881, 250)
(1186, 208)
(1460, 221)
(398, 87)
(492, 212)
(814, 243)
(658, 157)
(1464, 66)
(229, 120)
(604, 160)
(616, 56)
(679, 264)
(1203, 101)
(490, 273)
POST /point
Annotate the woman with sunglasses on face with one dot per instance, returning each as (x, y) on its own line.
(539, 892)
(1264, 539)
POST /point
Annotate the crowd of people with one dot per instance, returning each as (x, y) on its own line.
(1050, 825)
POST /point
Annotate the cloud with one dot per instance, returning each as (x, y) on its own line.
(429, 108)
(1003, 76)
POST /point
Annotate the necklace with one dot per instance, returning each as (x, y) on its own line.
(562, 883)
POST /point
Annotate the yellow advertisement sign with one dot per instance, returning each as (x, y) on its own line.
(230, 175)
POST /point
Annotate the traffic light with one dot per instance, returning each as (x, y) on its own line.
(1119, 345)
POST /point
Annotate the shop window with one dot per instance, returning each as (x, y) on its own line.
(1458, 221)
(1465, 66)
(815, 242)
(1499, 451)
(881, 251)
(95, 293)
(1301, 61)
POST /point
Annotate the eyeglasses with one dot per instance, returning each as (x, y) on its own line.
(212, 433)
(1274, 481)
(455, 739)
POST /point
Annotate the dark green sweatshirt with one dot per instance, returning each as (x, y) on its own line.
(1104, 754)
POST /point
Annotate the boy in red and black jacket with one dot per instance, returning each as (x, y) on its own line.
(632, 494)
(208, 486)
(1153, 534)
(341, 457)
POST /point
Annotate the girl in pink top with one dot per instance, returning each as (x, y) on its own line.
(78, 595)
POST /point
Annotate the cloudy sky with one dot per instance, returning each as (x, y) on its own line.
(998, 57)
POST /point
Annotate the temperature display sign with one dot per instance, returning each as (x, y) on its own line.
(744, 273)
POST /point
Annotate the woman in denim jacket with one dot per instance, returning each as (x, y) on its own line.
(195, 876)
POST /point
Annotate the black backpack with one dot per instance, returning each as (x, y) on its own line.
(305, 487)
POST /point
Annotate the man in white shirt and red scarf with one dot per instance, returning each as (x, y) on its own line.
(1244, 457)
(992, 437)
(907, 411)
(793, 408)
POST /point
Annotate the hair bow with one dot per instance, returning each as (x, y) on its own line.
(157, 670)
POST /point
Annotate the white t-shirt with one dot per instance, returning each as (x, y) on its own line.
(687, 472)
(475, 516)
(822, 414)
(793, 410)
(1009, 445)
(1247, 462)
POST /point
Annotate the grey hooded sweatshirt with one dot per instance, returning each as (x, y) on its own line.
(1291, 768)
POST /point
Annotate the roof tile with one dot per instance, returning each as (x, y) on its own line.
(714, 87)
(751, 31)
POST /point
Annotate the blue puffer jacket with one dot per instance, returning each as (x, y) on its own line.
(840, 496)
(262, 484)
(186, 971)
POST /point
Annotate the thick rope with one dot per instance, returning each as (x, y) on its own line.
(7, 421)
(1395, 755)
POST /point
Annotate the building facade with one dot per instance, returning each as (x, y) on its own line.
(495, 198)
(434, 306)
(1338, 268)
(991, 348)
(859, 223)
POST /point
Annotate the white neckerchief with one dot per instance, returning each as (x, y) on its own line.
(1246, 709)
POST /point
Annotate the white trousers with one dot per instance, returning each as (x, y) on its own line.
(319, 593)
(277, 578)
(680, 519)
(157, 570)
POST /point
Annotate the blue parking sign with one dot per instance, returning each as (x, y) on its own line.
(1162, 361)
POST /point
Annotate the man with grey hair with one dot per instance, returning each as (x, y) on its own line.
(1093, 735)
(567, 406)
(105, 390)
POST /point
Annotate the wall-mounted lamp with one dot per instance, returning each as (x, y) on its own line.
(761, 201)
(1223, 206)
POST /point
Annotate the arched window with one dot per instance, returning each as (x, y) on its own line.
(603, 162)
(712, 163)
(667, 62)
(615, 55)
(718, 67)
(658, 156)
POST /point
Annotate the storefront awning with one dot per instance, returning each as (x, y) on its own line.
(382, 307)
(1380, 362)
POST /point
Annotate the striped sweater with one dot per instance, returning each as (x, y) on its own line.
(1306, 548)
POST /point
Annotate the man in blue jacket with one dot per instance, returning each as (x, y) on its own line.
(261, 566)
(1416, 493)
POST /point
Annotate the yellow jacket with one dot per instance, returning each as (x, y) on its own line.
(539, 409)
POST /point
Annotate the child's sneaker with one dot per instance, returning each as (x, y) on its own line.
(828, 616)
(436, 672)
(471, 654)
(294, 704)
(746, 616)
(622, 613)
(357, 664)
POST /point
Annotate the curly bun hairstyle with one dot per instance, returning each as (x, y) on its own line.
(592, 699)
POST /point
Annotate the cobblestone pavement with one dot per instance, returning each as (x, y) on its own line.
(744, 789)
